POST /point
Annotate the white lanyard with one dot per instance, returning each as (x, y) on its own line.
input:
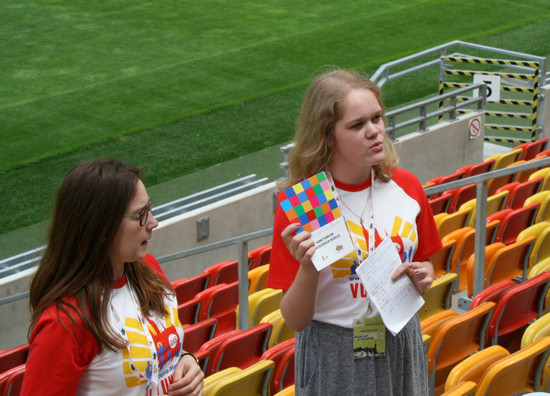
(152, 373)
(370, 221)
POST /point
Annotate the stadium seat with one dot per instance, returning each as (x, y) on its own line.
(242, 349)
(187, 288)
(213, 379)
(253, 381)
(223, 272)
(188, 312)
(518, 373)
(283, 376)
(495, 203)
(220, 302)
(197, 334)
(473, 367)
(455, 340)
(211, 348)
(503, 160)
(457, 175)
(261, 303)
(490, 251)
(541, 246)
(441, 261)
(464, 388)
(259, 256)
(438, 297)
(276, 355)
(545, 174)
(459, 196)
(539, 268)
(11, 381)
(536, 330)
(522, 191)
(516, 308)
(13, 357)
(440, 204)
(492, 293)
(509, 262)
(543, 197)
(464, 248)
(431, 324)
(257, 278)
(281, 332)
(454, 221)
(515, 221)
(531, 149)
(478, 169)
(543, 154)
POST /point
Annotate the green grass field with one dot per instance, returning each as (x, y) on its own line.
(179, 87)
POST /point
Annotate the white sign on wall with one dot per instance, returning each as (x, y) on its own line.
(493, 86)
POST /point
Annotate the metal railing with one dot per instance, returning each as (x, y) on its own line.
(31, 258)
(384, 73)
(526, 125)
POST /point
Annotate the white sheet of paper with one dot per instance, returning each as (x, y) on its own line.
(397, 301)
(332, 242)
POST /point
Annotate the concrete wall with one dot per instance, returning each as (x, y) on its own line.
(440, 150)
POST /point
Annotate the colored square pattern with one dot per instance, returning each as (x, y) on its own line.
(311, 202)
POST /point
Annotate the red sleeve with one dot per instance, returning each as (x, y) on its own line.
(282, 266)
(152, 262)
(429, 241)
(57, 357)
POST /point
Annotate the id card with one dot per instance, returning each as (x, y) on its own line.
(369, 337)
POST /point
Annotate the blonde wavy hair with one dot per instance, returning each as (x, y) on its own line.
(321, 109)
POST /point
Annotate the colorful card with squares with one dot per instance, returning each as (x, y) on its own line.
(313, 204)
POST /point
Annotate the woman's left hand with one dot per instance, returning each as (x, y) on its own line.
(188, 378)
(421, 274)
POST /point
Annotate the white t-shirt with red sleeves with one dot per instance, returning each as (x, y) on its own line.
(401, 212)
(59, 363)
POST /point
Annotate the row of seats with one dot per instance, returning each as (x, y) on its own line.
(461, 348)
(259, 360)
(502, 319)
(12, 369)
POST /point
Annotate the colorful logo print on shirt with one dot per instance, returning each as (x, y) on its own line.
(167, 342)
(311, 202)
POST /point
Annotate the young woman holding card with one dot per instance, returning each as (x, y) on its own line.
(341, 131)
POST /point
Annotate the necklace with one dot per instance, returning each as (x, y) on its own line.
(355, 214)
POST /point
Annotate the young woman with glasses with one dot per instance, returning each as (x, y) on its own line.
(103, 322)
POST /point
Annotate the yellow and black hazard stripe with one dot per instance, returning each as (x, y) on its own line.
(504, 140)
(501, 62)
(470, 73)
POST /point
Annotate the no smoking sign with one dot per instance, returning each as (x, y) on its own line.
(475, 128)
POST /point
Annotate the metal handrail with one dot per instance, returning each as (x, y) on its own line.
(384, 75)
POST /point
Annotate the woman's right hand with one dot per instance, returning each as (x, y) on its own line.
(300, 246)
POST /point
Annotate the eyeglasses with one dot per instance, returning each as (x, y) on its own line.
(143, 214)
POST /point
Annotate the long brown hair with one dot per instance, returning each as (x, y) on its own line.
(75, 273)
(320, 111)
